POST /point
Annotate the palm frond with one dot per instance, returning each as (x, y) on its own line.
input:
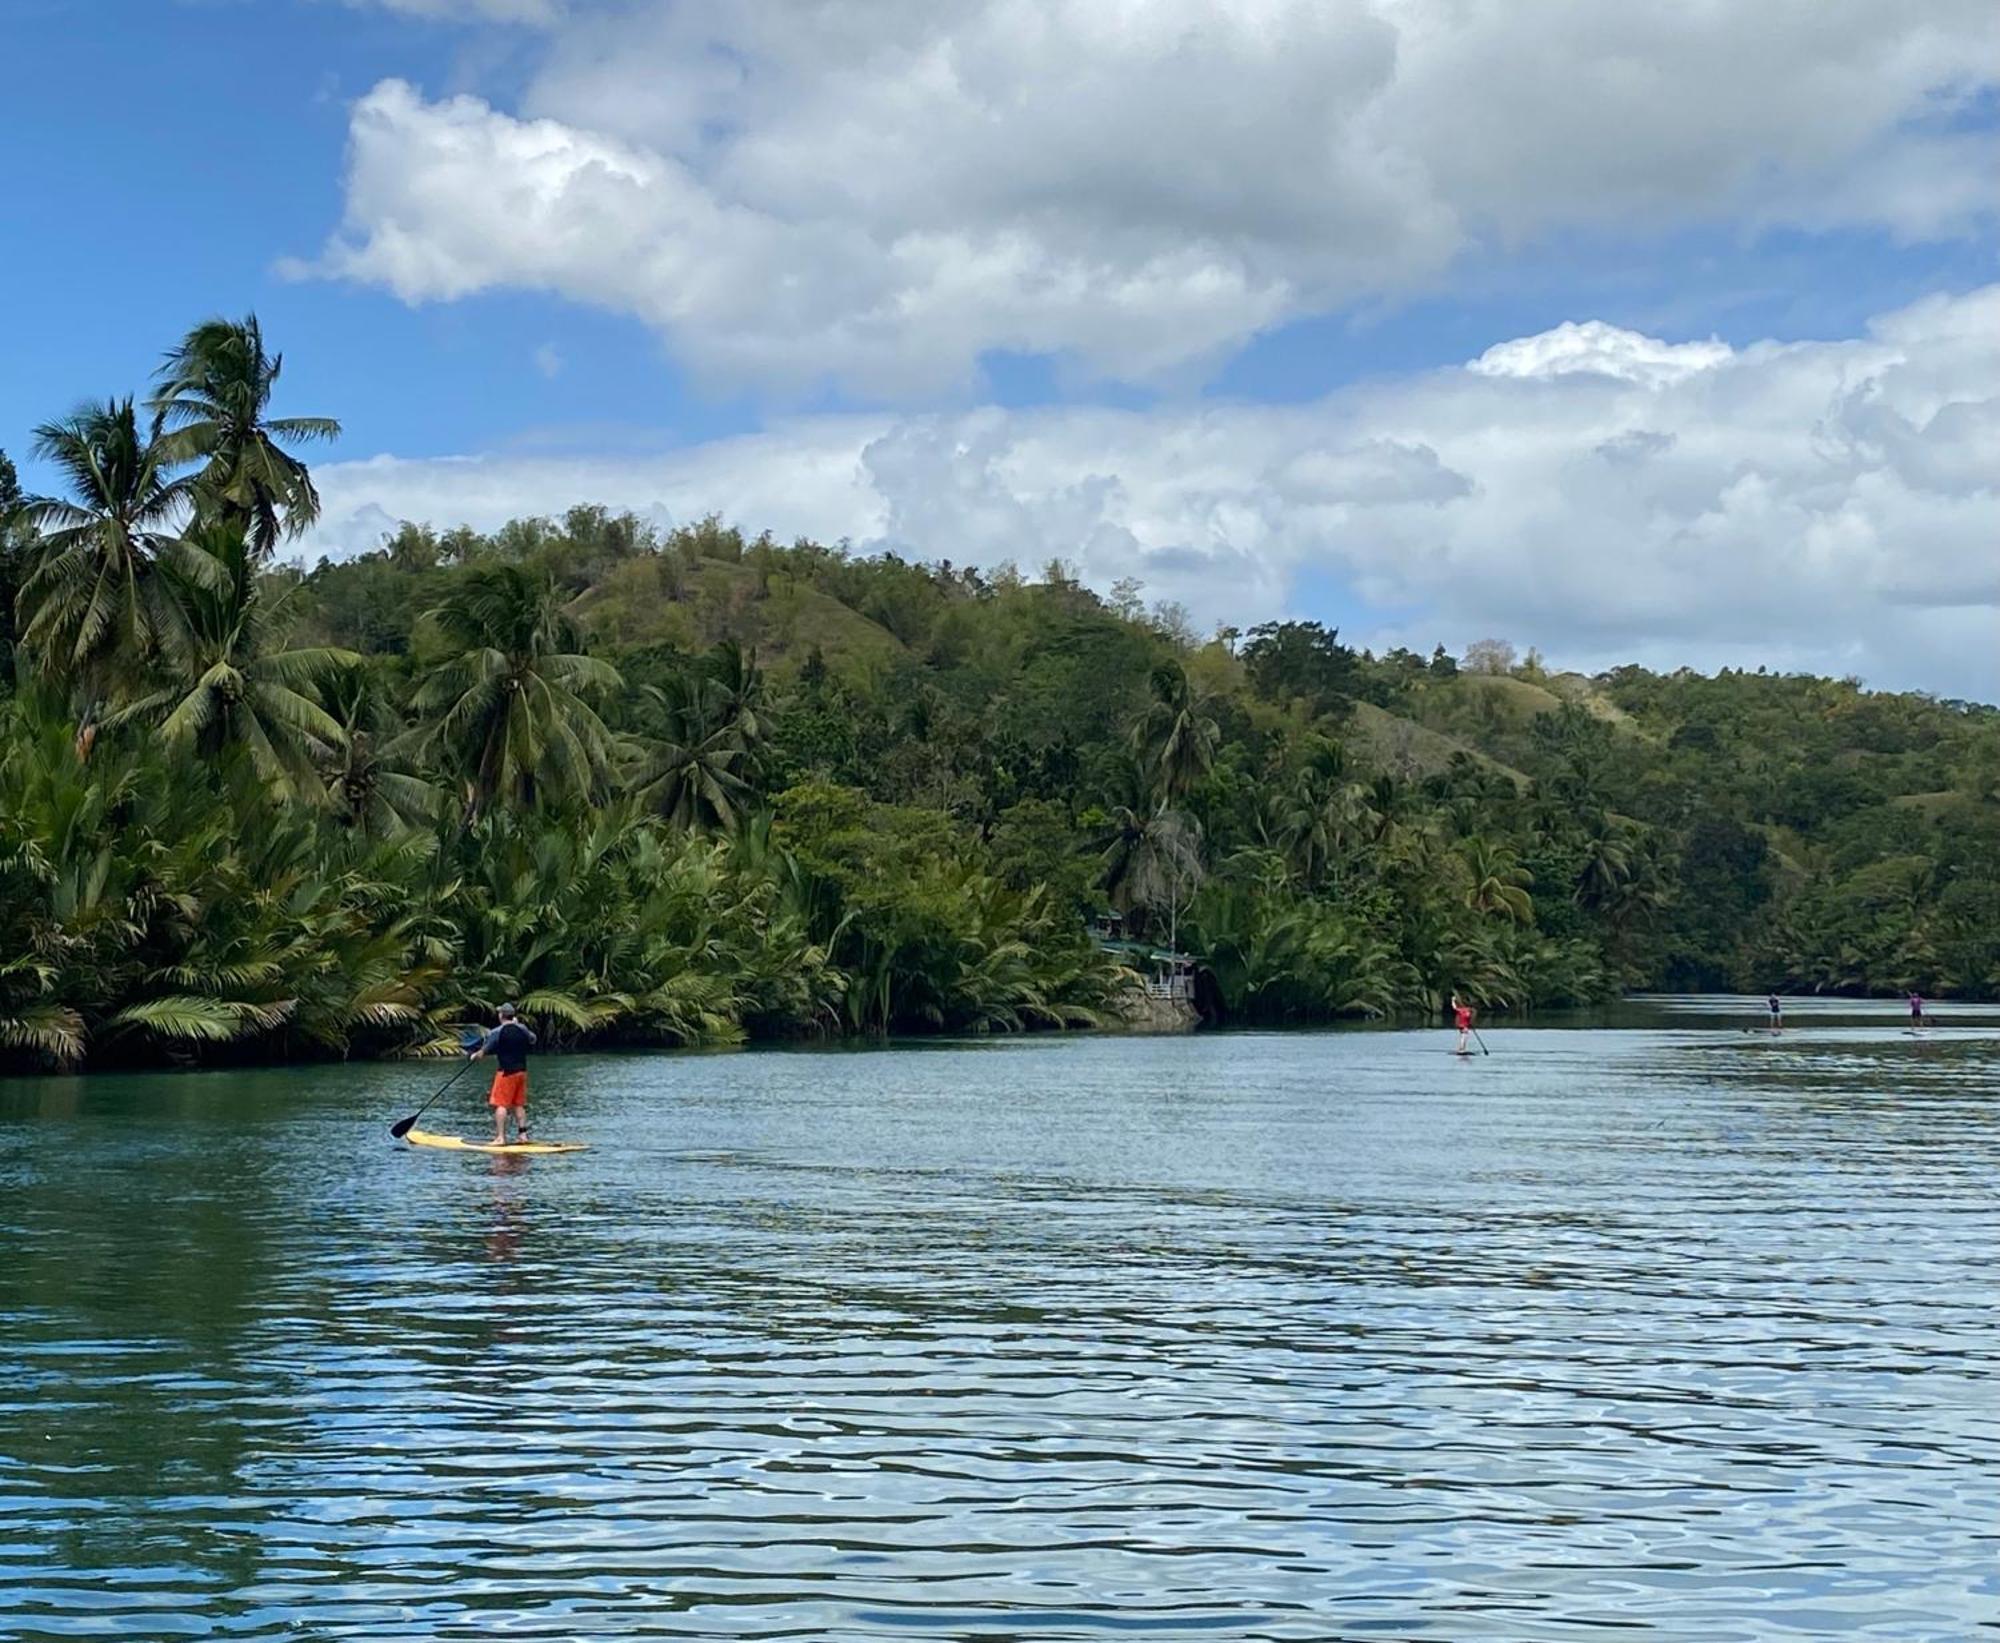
(183, 1016)
(304, 427)
(52, 1030)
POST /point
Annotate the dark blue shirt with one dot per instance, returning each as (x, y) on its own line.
(508, 1044)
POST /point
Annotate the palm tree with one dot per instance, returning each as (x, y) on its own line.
(368, 774)
(737, 690)
(1499, 884)
(1383, 806)
(214, 390)
(1175, 736)
(16, 535)
(95, 609)
(228, 681)
(697, 771)
(1607, 860)
(1152, 860)
(1647, 888)
(1119, 840)
(510, 709)
(1321, 806)
(701, 770)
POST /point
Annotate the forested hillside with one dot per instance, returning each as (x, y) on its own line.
(1352, 832)
(699, 786)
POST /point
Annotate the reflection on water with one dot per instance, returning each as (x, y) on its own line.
(1666, 1329)
(509, 1217)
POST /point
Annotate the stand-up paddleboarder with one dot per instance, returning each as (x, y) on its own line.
(1461, 1016)
(510, 1043)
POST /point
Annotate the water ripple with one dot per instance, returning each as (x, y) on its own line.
(1677, 1333)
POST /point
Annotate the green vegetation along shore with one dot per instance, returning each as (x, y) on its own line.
(697, 787)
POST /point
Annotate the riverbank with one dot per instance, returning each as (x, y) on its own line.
(1150, 1015)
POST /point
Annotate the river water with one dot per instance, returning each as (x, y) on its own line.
(1668, 1329)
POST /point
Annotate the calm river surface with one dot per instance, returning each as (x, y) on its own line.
(1669, 1330)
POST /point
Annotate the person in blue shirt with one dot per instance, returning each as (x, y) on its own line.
(510, 1043)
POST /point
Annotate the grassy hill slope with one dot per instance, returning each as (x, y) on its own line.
(1411, 751)
(659, 601)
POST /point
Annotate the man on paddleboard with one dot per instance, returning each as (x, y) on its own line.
(1461, 1015)
(510, 1043)
(1916, 1009)
(1774, 1007)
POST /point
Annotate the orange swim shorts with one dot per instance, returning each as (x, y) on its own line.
(509, 1090)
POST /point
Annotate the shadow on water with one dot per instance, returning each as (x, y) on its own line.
(1661, 1328)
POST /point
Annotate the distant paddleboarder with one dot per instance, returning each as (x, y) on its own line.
(1461, 1015)
(510, 1043)
(1776, 1007)
(1917, 1010)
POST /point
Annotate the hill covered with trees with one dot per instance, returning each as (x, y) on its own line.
(697, 786)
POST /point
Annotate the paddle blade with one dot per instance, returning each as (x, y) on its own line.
(471, 1040)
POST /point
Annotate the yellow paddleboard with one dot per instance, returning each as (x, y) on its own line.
(453, 1143)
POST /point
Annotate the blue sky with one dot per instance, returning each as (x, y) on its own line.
(195, 149)
(152, 209)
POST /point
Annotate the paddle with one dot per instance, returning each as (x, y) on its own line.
(1483, 1050)
(469, 1040)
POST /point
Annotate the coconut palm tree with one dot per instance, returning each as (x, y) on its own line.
(369, 775)
(225, 679)
(1322, 805)
(737, 690)
(1152, 861)
(692, 773)
(1175, 737)
(95, 608)
(509, 710)
(700, 770)
(1384, 803)
(1119, 839)
(1499, 883)
(211, 405)
(1607, 860)
(1646, 888)
(16, 537)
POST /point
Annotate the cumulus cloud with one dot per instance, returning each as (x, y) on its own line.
(1604, 350)
(1830, 505)
(878, 191)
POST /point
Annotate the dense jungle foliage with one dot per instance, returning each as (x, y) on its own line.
(691, 787)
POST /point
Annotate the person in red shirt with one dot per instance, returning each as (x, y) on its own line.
(510, 1043)
(1461, 1015)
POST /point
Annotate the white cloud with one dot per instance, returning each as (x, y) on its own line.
(548, 360)
(876, 191)
(1595, 348)
(1828, 505)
